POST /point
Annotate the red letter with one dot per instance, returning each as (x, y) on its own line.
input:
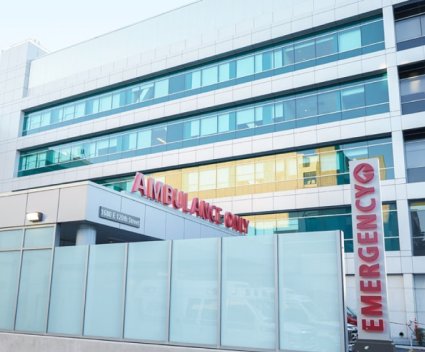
(139, 184)
(372, 326)
(369, 270)
(373, 254)
(228, 219)
(370, 286)
(194, 209)
(366, 238)
(363, 173)
(366, 222)
(368, 208)
(363, 191)
(217, 215)
(167, 194)
(374, 305)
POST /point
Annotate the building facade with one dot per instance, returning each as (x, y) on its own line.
(258, 108)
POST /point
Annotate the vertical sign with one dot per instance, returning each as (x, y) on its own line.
(369, 255)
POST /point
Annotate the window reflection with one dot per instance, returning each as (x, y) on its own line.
(417, 220)
(325, 220)
(306, 109)
(295, 54)
(320, 167)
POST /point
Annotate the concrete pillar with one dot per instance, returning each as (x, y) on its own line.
(409, 298)
(399, 157)
(86, 235)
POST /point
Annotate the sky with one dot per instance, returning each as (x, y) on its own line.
(56, 24)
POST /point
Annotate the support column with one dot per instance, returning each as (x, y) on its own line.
(86, 235)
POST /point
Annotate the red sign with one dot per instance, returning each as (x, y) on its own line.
(170, 196)
(369, 254)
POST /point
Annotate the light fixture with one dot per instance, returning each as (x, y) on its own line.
(35, 217)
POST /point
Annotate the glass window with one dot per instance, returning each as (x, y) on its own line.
(80, 109)
(376, 93)
(144, 139)
(306, 106)
(174, 132)
(224, 123)
(146, 92)
(264, 61)
(349, 39)
(415, 161)
(68, 112)
(417, 220)
(329, 102)
(409, 28)
(209, 75)
(245, 119)
(326, 45)
(412, 88)
(146, 308)
(194, 301)
(10, 263)
(93, 106)
(116, 100)
(288, 55)
(105, 103)
(105, 293)
(159, 135)
(277, 58)
(67, 292)
(248, 291)
(177, 83)
(45, 118)
(191, 129)
(195, 79)
(39, 237)
(34, 121)
(11, 239)
(33, 295)
(304, 51)
(245, 66)
(161, 88)
(209, 126)
(224, 72)
(352, 97)
(319, 284)
(372, 33)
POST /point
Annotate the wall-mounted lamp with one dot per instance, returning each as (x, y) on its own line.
(35, 217)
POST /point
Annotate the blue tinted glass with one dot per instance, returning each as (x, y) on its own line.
(209, 76)
(147, 291)
(11, 239)
(352, 98)
(248, 319)
(372, 33)
(326, 45)
(105, 292)
(68, 284)
(10, 263)
(315, 50)
(194, 300)
(304, 51)
(245, 66)
(329, 104)
(33, 296)
(376, 93)
(39, 237)
(349, 39)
